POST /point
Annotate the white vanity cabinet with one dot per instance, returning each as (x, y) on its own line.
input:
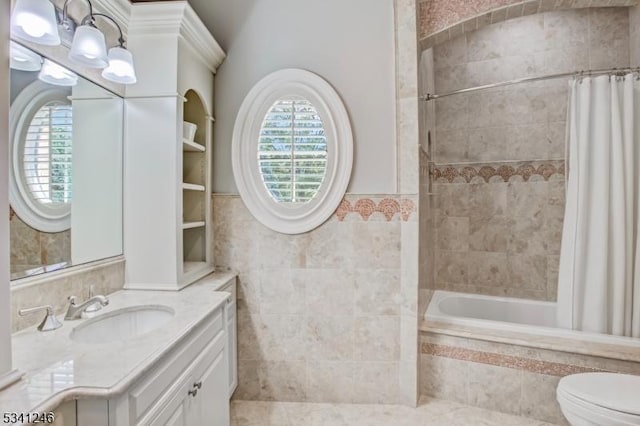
(189, 386)
(168, 230)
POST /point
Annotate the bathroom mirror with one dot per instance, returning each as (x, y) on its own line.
(66, 136)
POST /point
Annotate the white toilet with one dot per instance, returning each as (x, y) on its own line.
(600, 399)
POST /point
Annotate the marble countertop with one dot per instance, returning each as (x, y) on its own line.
(57, 369)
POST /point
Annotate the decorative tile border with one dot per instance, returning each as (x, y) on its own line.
(509, 361)
(365, 207)
(450, 173)
(443, 20)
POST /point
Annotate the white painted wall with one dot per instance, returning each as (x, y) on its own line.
(350, 43)
(5, 318)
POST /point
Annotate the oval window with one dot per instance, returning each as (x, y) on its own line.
(292, 151)
(41, 122)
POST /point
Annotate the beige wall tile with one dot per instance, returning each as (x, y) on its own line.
(538, 398)
(634, 35)
(488, 269)
(280, 293)
(329, 338)
(444, 378)
(494, 388)
(377, 338)
(376, 382)
(376, 245)
(283, 380)
(248, 381)
(377, 292)
(330, 381)
(453, 233)
(329, 292)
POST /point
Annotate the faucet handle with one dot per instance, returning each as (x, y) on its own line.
(50, 322)
(94, 307)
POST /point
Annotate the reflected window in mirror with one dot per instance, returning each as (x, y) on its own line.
(66, 167)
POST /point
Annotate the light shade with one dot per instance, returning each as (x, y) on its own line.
(120, 69)
(35, 21)
(23, 59)
(89, 48)
(55, 74)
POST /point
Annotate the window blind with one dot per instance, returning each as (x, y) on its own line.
(292, 151)
(47, 156)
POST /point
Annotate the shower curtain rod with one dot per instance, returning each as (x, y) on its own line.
(430, 97)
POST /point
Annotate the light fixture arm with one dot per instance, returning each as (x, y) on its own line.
(87, 20)
(121, 37)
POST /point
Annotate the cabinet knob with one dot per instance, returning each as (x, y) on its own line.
(193, 392)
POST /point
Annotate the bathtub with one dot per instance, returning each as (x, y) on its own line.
(529, 321)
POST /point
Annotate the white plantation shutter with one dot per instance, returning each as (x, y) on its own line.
(47, 154)
(292, 151)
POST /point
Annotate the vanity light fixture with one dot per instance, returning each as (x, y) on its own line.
(55, 74)
(121, 68)
(23, 59)
(89, 47)
(35, 21)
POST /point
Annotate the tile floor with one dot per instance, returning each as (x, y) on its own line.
(431, 412)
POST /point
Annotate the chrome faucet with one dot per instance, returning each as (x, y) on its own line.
(49, 323)
(75, 311)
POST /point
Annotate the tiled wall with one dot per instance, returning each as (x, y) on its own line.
(634, 35)
(443, 20)
(499, 170)
(106, 276)
(503, 377)
(31, 248)
(319, 313)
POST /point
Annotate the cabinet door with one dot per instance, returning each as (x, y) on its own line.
(211, 405)
(232, 346)
(175, 411)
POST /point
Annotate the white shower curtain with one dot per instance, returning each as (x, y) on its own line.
(599, 275)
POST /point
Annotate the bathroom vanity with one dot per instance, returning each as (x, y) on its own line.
(148, 358)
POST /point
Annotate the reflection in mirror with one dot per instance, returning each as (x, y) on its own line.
(66, 167)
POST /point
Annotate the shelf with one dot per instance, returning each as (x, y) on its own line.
(193, 187)
(187, 145)
(191, 225)
(192, 266)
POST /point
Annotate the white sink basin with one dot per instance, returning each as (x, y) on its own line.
(122, 324)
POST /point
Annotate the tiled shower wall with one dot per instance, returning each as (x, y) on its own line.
(319, 314)
(31, 248)
(498, 154)
(634, 35)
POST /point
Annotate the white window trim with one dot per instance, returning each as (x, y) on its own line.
(290, 218)
(36, 215)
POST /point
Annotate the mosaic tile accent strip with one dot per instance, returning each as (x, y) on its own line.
(365, 207)
(509, 361)
(442, 20)
(497, 173)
